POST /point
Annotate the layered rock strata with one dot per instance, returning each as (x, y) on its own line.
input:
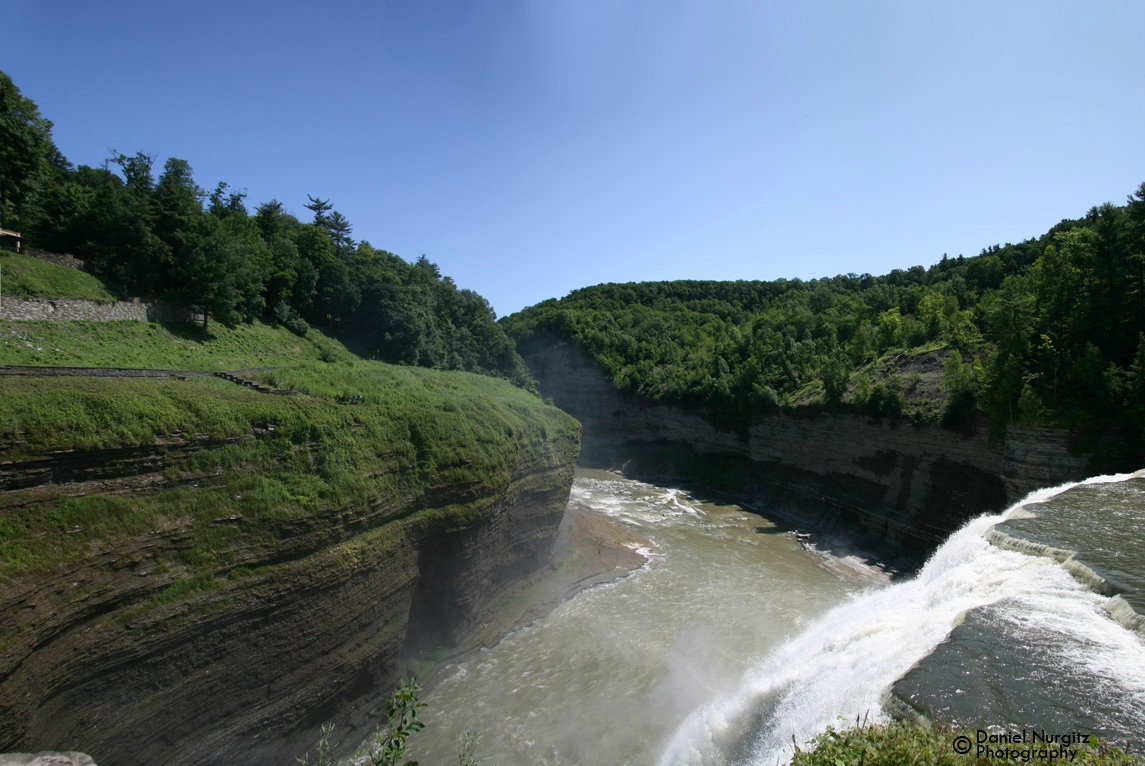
(914, 484)
(311, 621)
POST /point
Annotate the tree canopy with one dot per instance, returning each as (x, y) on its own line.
(1047, 329)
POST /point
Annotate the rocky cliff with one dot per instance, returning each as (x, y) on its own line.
(914, 484)
(214, 615)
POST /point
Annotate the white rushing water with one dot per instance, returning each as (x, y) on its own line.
(839, 668)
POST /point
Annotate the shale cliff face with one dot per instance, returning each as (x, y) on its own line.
(117, 653)
(912, 484)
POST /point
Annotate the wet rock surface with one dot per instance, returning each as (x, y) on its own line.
(1097, 525)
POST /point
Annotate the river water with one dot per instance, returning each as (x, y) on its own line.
(735, 639)
(609, 675)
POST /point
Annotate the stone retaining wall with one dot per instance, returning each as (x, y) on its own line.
(77, 309)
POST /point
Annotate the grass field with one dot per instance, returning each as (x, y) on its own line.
(28, 277)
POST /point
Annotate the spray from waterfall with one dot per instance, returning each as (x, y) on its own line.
(842, 665)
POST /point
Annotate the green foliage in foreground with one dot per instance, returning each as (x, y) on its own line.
(1049, 329)
(389, 744)
(903, 744)
(416, 431)
(29, 277)
(160, 346)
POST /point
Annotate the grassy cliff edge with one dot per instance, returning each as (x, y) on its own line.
(194, 572)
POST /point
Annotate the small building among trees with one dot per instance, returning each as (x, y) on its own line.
(10, 240)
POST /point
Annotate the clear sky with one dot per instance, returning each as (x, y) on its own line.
(533, 147)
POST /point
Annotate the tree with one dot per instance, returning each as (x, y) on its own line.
(389, 746)
(178, 201)
(273, 221)
(836, 376)
(889, 329)
(961, 380)
(225, 204)
(27, 153)
(338, 228)
(1136, 383)
(205, 275)
(320, 208)
(220, 270)
(136, 169)
(135, 255)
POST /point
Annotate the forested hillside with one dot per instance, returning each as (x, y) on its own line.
(1047, 330)
(154, 232)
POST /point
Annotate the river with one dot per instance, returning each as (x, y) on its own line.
(735, 638)
(609, 675)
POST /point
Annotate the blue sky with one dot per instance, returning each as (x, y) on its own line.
(531, 148)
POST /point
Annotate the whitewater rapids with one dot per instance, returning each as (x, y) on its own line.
(841, 667)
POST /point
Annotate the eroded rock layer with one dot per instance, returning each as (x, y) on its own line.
(914, 484)
(232, 640)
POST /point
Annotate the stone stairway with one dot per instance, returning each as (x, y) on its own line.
(256, 386)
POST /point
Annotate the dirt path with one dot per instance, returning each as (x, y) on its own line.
(132, 372)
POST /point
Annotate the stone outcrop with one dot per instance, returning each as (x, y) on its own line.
(914, 484)
(313, 626)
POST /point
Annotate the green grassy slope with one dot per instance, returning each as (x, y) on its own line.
(147, 345)
(29, 277)
(146, 518)
(418, 432)
(160, 346)
(321, 457)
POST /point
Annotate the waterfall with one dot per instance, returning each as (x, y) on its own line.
(840, 668)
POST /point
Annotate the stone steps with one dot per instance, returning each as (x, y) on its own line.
(255, 386)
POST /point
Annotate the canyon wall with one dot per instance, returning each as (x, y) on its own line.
(914, 484)
(311, 622)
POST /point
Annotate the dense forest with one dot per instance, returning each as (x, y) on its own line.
(1048, 330)
(155, 233)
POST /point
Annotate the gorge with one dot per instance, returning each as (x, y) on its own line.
(224, 526)
(743, 634)
(139, 650)
(900, 651)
